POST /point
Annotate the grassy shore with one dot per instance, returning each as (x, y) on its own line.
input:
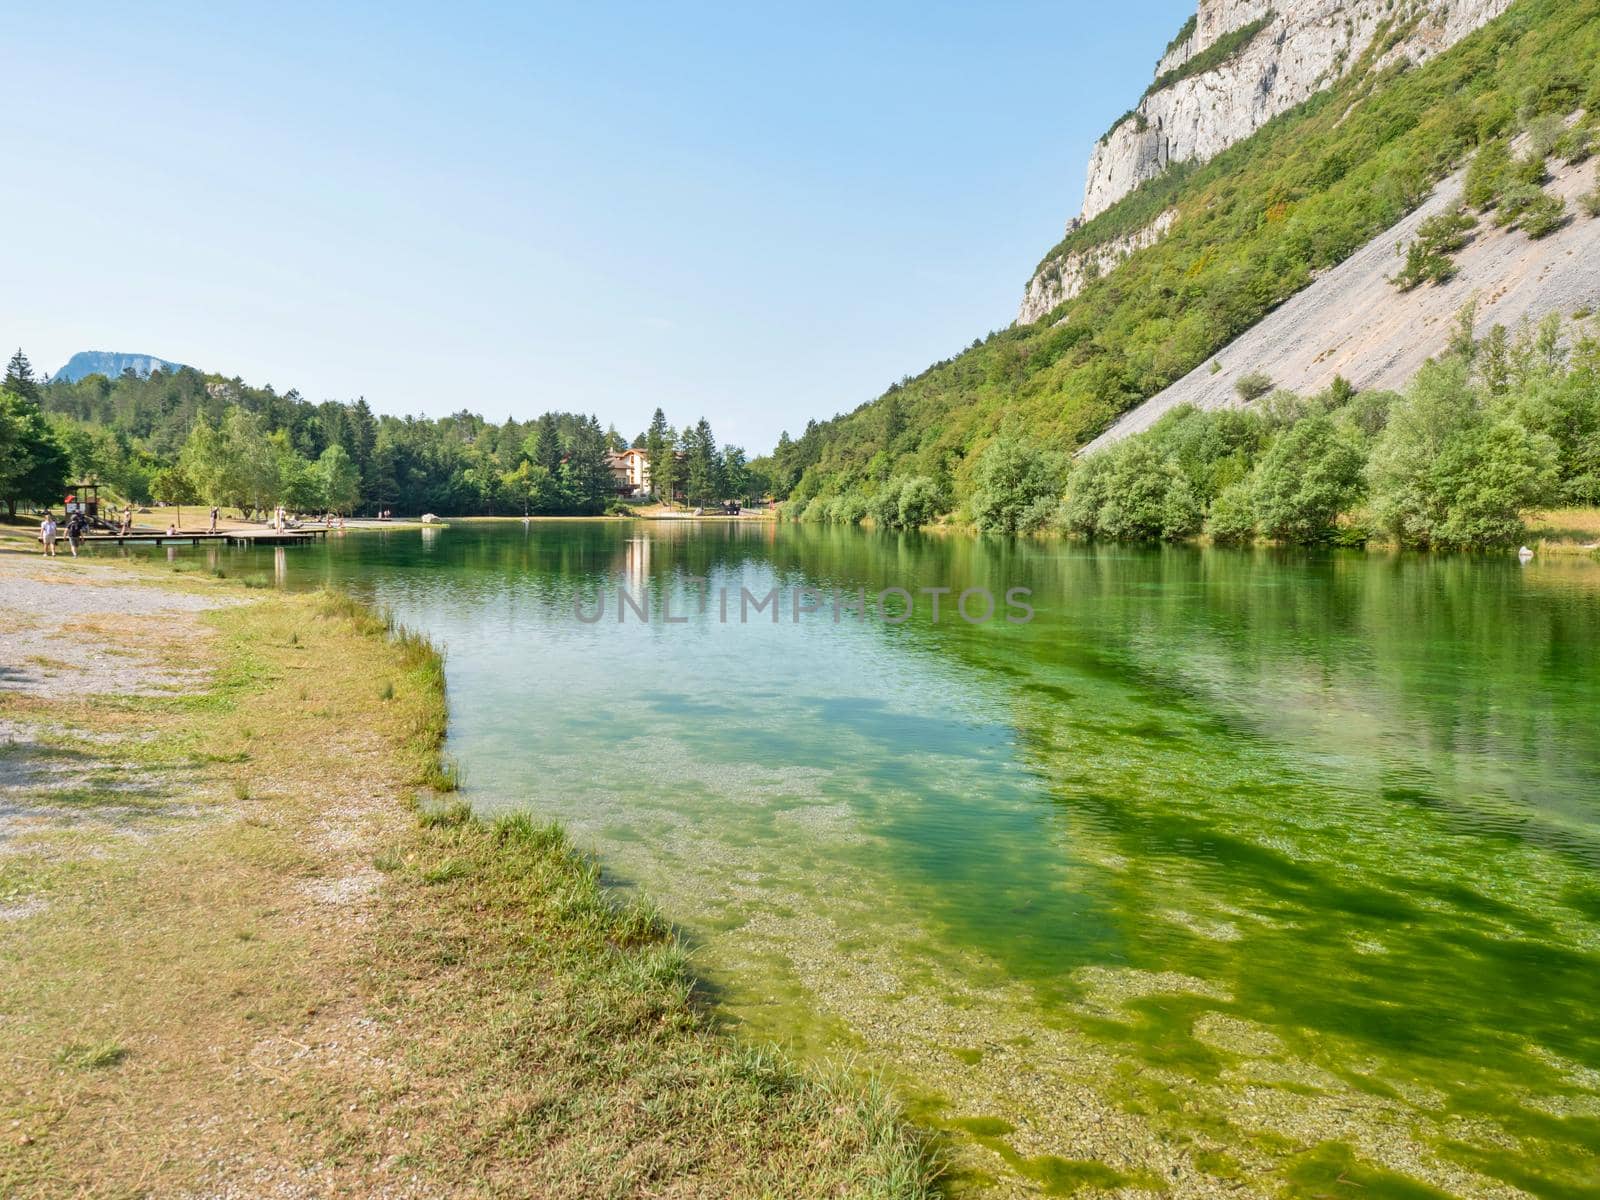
(252, 948)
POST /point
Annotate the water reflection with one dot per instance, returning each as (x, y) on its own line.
(1215, 825)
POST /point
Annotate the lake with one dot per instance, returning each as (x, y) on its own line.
(1228, 873)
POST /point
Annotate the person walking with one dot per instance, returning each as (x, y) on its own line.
(127, 519)
(213, 528)
(75, 526)
(47, 534)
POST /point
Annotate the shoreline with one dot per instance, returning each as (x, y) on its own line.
(1545, 534)
(342, 943)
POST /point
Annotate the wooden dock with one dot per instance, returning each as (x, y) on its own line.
(196, 537)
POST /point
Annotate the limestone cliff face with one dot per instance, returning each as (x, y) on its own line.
(1063, 278)
(1301, 47)
(1242, 63)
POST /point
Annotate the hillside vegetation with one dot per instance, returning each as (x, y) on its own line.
(1484, 434)
(1255, 225)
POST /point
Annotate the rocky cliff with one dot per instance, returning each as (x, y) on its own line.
(1065, 276)
(1237, 65)
(111, 363)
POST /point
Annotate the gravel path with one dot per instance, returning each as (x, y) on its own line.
(78, 625)
(84, 630)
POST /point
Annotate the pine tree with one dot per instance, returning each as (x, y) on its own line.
(735, 473)
(363, 435)
(20, 379)
(585, 476)
(658, 448)
(668, 475)
(547, 449)
(704, 465)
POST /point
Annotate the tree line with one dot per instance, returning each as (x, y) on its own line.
(185, 437)
(1486, 433)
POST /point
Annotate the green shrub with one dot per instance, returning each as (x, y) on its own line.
(1486, 174)
(1309, 475)
(1213, 448)
(1143, 496)
(1449, 472)
(1447, 232)
(1253, 386)
(1576, 145)
(921, 502)
(1544, 216)
(906, 502)
(1232, 519)
(884, 507)
(1087, 490)
(1544, 134)
(1422, 266)
(1016, 481)
(1590, 200)
(1283, 408)
(1516, 200)
(1530, 168)
(1368, 412)
(848, 509)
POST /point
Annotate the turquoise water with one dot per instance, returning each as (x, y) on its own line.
(1229, 873)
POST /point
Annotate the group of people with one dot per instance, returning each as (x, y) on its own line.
(77, 525)
(281, 520)
(50, 532)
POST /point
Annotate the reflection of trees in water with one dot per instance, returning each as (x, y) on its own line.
(1345, 789)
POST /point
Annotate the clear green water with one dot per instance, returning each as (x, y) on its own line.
(1231, 873)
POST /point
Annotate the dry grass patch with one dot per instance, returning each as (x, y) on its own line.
(1566, 529)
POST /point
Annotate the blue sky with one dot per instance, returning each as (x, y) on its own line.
(756, 214)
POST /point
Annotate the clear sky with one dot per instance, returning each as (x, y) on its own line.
(755, 213)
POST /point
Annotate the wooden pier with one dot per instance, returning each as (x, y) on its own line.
(195, 537)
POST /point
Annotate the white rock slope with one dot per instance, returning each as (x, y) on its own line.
(1353, 322)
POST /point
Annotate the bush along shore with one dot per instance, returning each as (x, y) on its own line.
(243, 907)
(1496, 430)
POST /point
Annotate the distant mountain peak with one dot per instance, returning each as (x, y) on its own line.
(111, 364)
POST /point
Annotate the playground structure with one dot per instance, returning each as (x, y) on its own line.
(85, 498)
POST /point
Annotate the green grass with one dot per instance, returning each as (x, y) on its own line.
(599, 1072)
(90, 1057)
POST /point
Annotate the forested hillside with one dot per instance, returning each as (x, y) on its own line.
(183, 436)
(1253, 226)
